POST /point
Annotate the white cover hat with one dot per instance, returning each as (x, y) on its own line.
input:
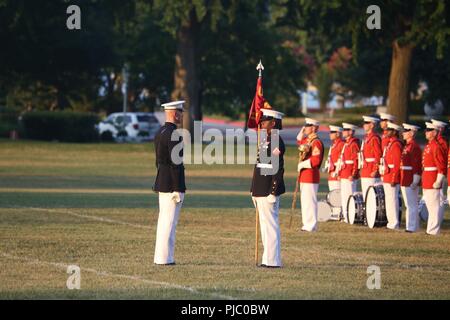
(371, 119)
(175, 105)
(394, 126)
(335, 128)
(411, 127)
(431, 125)
(312, 122)
(272, 113)
(349, 126)
(386, 116)
(440, 124)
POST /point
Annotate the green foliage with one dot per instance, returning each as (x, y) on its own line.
(60, 125)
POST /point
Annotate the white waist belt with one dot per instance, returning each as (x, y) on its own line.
(406, 167)
(390, 166)
(370, 159)
(349, 161)
(264, 166)
(430, 169)
(336, 163)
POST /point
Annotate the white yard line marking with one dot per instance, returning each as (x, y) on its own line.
(116, 275)
(128, 191)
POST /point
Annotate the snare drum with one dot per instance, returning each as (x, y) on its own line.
(323, 211)
(375, 207)
(355, 208)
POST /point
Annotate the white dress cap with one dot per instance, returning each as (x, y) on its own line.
(371, 119)
(175, 105)
(349, 126)
(387, 116)
(312, 122)
(440, 124)
(408, 126)
(272, 113)
(335, 128)
(394, 126)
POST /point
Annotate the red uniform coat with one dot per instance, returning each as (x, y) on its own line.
(442, 142)
(411, 163)
(433, 162)
(334, 154)
(392, 158)
(384, 141)
(448, 169)
(316, 155)
(349, 159)
(371, 151)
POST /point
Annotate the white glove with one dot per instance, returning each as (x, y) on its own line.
(304, 165)
(416, 181)
(438, 183)
(176, 197)
(300, 135)
(271, 198)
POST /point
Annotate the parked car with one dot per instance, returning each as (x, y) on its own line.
(129, 126)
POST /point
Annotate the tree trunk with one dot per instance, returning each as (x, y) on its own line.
(399, 81)
(186, 83)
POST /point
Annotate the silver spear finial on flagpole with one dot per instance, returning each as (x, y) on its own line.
(260, 68)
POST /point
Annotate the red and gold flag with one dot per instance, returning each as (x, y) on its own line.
(258, 103)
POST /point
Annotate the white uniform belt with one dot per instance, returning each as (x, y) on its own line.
(336, 163)
(406, 167)
(430, 169)
(390, 166)
(349, 161)
(369, 159)
(264, 166)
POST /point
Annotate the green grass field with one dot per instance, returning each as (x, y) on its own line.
(91, 205)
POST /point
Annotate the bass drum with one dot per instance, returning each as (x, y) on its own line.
(355, 208)
(334, 200)
(323, 211)
(375, 207)
(423, 211)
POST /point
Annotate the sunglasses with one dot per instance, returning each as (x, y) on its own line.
(308, 125)
(332, 132)
(367, 122)
(406, 130)
(429, 129)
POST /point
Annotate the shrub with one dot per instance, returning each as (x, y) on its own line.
(63, 126)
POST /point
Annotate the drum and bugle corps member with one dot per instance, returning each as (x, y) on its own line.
(333, 157)
(385, 118)
(448, 178)
(434, 169)
(370, 155)
(170, 184)
(311, 156)
(391, 175)
(268, 185)
(442, 140)
(410, 172)
(348, 165)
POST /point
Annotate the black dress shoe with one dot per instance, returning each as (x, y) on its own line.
(165, 264)
(273, 267)
(262, 266)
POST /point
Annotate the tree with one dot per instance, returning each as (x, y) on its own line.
(404, 27)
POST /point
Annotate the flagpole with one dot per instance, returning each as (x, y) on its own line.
(260, 68)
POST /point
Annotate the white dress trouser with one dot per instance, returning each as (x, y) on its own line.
(308, 199)
(435, 210)
(366, 183)
(333, 185)
(411, 200)
(270, 230)
(169, 211)
(347, 189)
(392, 205)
